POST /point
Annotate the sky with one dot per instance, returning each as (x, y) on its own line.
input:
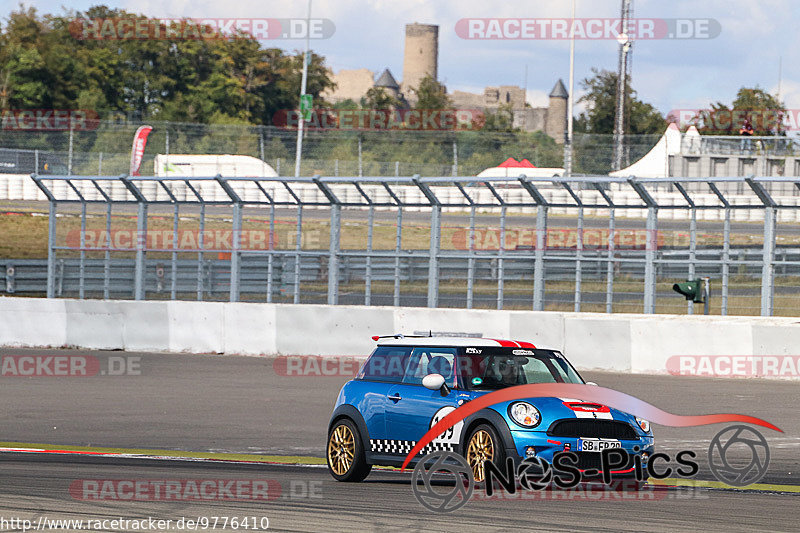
(758, 42)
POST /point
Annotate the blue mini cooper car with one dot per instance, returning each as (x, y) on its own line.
(408, 384)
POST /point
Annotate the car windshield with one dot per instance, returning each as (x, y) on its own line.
(487, 368)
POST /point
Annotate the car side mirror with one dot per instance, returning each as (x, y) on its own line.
(591, 383)
(436, 382)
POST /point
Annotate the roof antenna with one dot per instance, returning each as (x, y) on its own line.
(430, 333)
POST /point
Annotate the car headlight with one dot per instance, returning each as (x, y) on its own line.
(644, 424)
(524, 414)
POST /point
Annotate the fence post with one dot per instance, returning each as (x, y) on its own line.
(455, 158)
(51, 237)
(82, 265)
(69, 159)
(141, 238)
(200, 255)
(333, 255)
(141, 243)
(270, 257)
(235, 254)
(768, 266)
(107, 254)
(692, 252)
(610, 263)
(471, 260)
(650, 256)
(173, 289)
(500, 265)
(541, 242)
(578, 263)
(397, 248)
(726, 247)
(368, 269)
(433, 254)
(651, 241)
(538, 265)
(433, 259)
(360, 163)
(237, 234)
(51, 252)
(768, 258)
(298, 246)
(333, 249)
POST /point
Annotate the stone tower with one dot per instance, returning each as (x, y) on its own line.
(421, 55)
(556, 124)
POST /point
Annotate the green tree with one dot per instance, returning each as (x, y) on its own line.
(764, 111)
(43, 64)
(500, 120)
(378, 98)
(600, 100)
(23, 72)
(432, 95)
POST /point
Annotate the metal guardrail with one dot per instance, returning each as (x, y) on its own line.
(438, 196)
(29, 276)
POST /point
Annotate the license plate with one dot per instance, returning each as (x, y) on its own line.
(597, 445)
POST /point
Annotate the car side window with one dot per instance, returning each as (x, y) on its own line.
(430, 360)
(387, 363)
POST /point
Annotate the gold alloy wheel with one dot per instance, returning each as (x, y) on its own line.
(341, 450)
(480, 449)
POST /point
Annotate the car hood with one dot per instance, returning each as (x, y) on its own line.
(552, 409)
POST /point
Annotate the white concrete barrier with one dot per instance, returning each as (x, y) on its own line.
(618, 342)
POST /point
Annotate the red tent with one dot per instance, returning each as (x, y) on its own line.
(513, 163)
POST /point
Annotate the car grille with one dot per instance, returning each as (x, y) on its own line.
(590, 460)
(594, 428)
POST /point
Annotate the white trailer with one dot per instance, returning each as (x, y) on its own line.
(205, 165)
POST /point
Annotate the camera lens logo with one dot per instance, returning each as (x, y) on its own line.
(534, 473)
(458, 471)
(738, 456)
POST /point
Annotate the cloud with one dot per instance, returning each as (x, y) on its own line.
(668, 73)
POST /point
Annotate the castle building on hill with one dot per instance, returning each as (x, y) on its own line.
(421, 59)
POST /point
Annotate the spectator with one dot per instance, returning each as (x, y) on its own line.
(746, 131)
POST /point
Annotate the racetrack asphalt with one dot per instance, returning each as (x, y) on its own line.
(307, 499)
(248, 405)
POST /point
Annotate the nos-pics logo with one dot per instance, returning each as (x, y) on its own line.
(738, 456)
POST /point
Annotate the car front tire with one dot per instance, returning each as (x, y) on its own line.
(483, 444)
(345, 452)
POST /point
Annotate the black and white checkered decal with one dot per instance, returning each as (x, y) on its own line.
(446, 442)
(402, 447)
